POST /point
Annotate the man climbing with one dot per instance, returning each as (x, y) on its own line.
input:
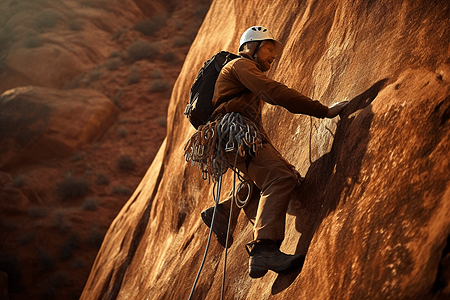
(240, 91)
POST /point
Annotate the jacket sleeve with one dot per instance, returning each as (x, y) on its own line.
(274, 92)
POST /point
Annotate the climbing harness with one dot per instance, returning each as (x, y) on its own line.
(205, 149)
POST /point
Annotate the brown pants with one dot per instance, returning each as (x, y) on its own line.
(276, 179)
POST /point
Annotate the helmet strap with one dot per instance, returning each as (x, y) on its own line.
(256, 50)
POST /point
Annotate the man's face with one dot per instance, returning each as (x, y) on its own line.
(266, 55)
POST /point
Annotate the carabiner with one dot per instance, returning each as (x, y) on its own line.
(230, 144)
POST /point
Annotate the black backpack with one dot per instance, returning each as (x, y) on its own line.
(199, 107)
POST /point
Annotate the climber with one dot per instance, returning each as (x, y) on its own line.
(268, 175)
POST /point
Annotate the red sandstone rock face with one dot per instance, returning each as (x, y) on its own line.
(39, 123)
(373, 215)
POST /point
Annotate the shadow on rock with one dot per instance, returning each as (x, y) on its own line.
(285, 279)
(333, 176)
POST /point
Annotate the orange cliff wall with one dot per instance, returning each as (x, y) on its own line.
(374, 212)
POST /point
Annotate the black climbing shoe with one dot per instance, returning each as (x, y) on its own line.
(265, 255)
(220, 224)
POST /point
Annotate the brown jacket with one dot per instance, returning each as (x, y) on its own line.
(244, 74)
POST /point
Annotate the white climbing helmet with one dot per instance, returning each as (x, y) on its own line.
(259, 33)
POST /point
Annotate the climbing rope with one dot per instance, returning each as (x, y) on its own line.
(216, 202)
(204, 149)
(234, 199)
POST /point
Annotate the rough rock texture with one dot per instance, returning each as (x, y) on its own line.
(374, 212)
(39, 123)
